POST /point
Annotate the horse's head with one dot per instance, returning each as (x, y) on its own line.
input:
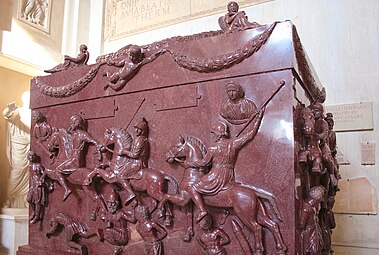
(186, 148)
(120, 137)
(109, 136)
(308, 122)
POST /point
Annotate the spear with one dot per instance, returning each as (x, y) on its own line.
(281, 84)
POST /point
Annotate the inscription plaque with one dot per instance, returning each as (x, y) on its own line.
(352, 117)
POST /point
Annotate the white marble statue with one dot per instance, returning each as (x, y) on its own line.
(18, 144)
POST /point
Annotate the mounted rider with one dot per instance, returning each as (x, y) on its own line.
(138, 155)
(222, 155)
(78, 137)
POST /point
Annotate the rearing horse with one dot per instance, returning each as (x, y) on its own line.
(311, 153)
(247, 201)
(149, 180)
(61, 141)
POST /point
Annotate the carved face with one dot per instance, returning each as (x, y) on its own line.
(233, 94)
(134, 53)
(233, 7)
(37, 116)
(76, 122)
(308, 122)
(113, 205)
(318, 110)
(138, 131)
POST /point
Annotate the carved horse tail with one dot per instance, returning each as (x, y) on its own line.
(270, 198)
(173, 181)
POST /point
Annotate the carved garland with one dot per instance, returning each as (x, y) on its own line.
(71, 88)
(224, 61)
(192, 63)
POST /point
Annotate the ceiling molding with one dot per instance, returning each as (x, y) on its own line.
(20, 66)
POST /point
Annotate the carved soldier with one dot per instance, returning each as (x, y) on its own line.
(222, 155)
(150, 231)
(138, 155)
(116, 232)
(235, 20)
(37, 195)
(79, 138)
(73, 228)
(237, 110)
(322, 131)
(213, 239)
(70, 62)
(333, 145)
(309, 222)
(130, 66)
(42, 130)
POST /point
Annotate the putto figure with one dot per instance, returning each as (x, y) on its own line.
(130, 66)
(237, 110)
(150, 231)
(235, 20)
(70, 62)
(37, 195)
(212, 240)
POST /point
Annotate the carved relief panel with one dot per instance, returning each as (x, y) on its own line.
(177, 147)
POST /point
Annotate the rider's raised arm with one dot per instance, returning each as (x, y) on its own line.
(239, 142)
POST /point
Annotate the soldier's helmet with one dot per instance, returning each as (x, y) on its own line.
(141, 124)
(220, 128)
(79, 118)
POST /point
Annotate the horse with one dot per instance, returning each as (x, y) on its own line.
(310, 154)
(151, 181)
(246, 201)
(61, 146)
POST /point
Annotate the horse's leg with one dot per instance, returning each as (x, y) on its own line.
(265, 220)
(189, 233)
(91, 193)
(246, 208)
(61, 179)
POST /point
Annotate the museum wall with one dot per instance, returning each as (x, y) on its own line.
(12, 85)
(339, 36)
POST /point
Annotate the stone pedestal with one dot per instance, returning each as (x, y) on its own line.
(14, 227)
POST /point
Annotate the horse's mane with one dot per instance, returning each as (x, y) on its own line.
(196, 141)
(126, 138)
